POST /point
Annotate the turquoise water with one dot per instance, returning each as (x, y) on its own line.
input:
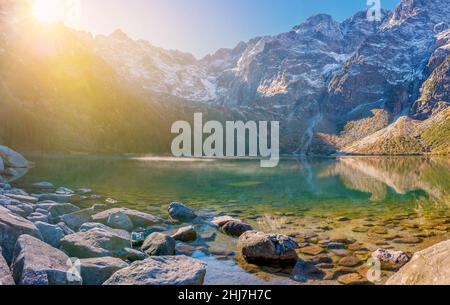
(408, 196)
(350, 186)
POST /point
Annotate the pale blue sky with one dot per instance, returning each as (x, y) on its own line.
(203, 26)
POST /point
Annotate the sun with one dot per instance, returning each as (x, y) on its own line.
(49, 11)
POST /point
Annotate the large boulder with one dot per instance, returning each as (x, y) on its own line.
(180, 212)
(162, 270)
(158, 244)
(51, 234)
(391, 259)
(5, 273)
(12, 158)
(138, 219)
(95, 243)
(11, 228)
(427, 267)
(37, 263)
(95, 271)
(257, 247)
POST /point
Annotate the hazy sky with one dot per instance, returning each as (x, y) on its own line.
(203, 26)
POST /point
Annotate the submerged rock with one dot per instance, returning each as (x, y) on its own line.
(258, 247)
(180, 212)
(391, 259)
(427, 267)
(42, 185)
(95, 271)
(11, 228)
(158, 244)
(6, 278)
(186, 234)
(37, 263)
(162, 270)
(222, 220)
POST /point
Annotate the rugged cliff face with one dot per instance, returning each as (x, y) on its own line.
(356, 86)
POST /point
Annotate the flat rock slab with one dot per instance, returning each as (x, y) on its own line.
(163, 270)
(37, 263)
(95, 271)
(11, 227)
(427, 267)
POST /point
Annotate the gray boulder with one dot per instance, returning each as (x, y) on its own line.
(22, 198)
(12, 158)
(59, 198)
(11, 227)
(18, 211)
(163, 270)
(222, 220)
(138, 219)
(180, 212)
(59, 210)
(95, 243)
(95, 271)
(186, 234)
(43, 185)
(427, 267)
(120, 220)
(2, 166)
(6, 278)
(158, 244)
(51, 234)
(391, 259)
(94, 225)
(37, 263)
(257, 247)
(76, 219)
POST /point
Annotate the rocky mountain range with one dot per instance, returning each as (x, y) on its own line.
(357, 86)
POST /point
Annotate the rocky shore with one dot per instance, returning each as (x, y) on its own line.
(46, 238)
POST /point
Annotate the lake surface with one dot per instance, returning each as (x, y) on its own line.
(323, 197)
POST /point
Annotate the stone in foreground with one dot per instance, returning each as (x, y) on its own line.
(391, 259)
(427, 267)
(95, 271)
(258, 247)
(180, 212)
(11, 227)
(162, 270)
(6, 278)
(158, 244)
(37, 263)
